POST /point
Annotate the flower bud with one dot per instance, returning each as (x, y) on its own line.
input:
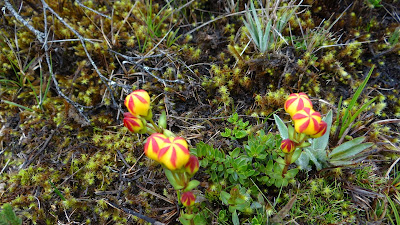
(306, 121)
(188, 198)
(296, 102)
(174, 154)
(138, 103)
(192, 166)
(133, 123)
(322, 129)
(153, 145)
(287, 146)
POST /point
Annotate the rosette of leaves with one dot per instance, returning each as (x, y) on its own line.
(317, 153)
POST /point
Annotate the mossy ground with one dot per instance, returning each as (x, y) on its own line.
(57, 167)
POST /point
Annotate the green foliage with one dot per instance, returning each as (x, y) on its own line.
(273, 173)
(172, 38)
(394, 38)
(234, 167)
(240, 130)
(153, 21)
(259, 159)
(349, 116)
(395, 211)
(8, 216)
(346, 152)
(237, 200)
(263, 35)
(374, 3)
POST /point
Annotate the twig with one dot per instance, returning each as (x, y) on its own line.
(29, 161)
(391, 167)
(146, 68)
(39, 35)
(82, 40)
(129, 211)
(97, 12)
(123, 159)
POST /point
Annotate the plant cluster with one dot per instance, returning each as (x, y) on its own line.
(166, 148)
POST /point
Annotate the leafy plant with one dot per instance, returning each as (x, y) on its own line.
(345, 153)
(8, 216)
(263, 34)
(172, 38)
(316, 152)
(237, 200)
(259, 159)
(395, 212)
(344, 124)
(394, 38)
(240, 130)
(155, 22)
(375, 3)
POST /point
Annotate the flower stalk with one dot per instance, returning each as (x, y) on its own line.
(164, 147)
(307, 124)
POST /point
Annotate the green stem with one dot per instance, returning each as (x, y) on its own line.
(288, 159)
(156, 127)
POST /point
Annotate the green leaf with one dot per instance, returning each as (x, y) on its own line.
(291, 173)
(225, 196)
(249, 173)
(162, 121)
(8, 216)
(304, 162)
(235, 218)
(345, 146)
(395, 212)
(313, 158)
(57, 191)
(227, 132)
(296, 155)
(199, 219)
(18, 105)
(235, 153)
(191, 185)
(220, 168)
(322, 142)
(351, 152)
(184, 221)
(283, 130)
(240, 134)
(341, 162)
(280, 161)
(269, 167)
(346, 120)
(230, 170)
(278, 182)
(171, 179)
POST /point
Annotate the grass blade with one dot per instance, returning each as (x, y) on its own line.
(18, 105)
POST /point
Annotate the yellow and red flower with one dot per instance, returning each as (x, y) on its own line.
(193, 165)
(306, 121)
(153, 145)
(133, 123)
(174, 154)
(296, 102)
(188, 198)
(322, 130)
(138, 103)
(287, 146)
